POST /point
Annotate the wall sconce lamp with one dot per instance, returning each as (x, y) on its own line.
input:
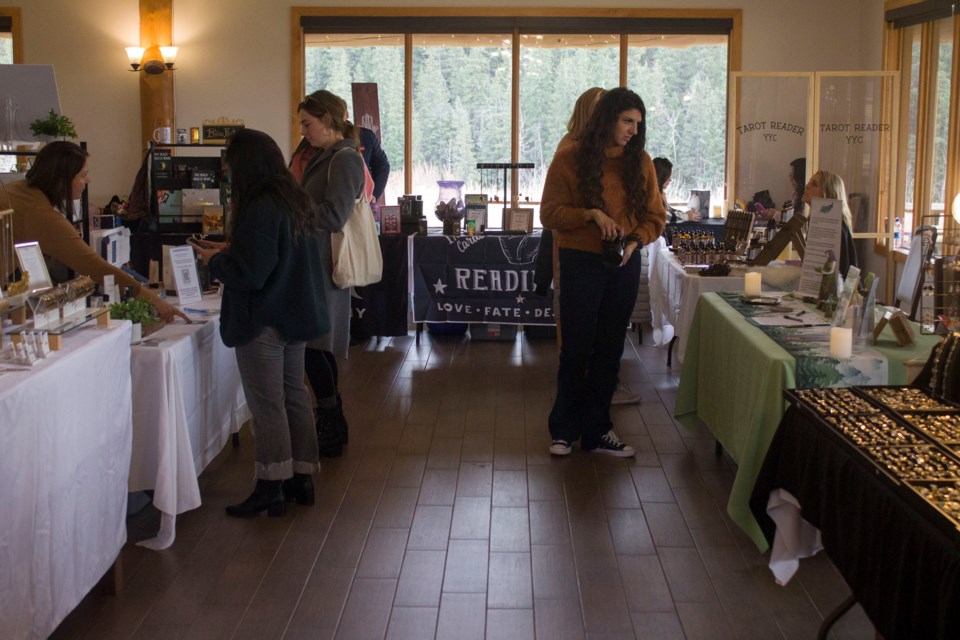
(956, 208)
(137, 63)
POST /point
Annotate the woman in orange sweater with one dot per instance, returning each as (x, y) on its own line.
(601, 201)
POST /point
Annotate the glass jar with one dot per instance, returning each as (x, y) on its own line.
(450, 201)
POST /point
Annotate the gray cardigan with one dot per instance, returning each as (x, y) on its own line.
(334, 181)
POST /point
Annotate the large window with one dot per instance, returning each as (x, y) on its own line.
(335, 61)
(500, 89)
(11, 48)
(921, 41)
(683, 81)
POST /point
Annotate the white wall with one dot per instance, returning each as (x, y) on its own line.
(234, 59)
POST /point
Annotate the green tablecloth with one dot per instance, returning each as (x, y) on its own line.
(733, 380)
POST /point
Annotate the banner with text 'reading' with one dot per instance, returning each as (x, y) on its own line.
(477, 279)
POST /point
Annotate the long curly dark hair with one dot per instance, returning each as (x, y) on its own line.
(257, 168)
(595, 140)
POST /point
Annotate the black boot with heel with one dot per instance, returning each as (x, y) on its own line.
(267, 496)
(299, 489)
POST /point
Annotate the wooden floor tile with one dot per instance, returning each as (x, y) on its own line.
(447, 517)
(462, 617)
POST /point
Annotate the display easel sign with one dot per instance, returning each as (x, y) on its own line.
(31, 261)
(183, 262)
(519, 219)
(823, 236)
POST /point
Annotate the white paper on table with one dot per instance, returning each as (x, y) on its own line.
(782, 321)
(823, 234)
(184, 265)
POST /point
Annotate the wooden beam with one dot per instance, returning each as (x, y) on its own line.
(157, 103)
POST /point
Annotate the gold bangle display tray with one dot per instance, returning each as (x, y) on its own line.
(905, 399)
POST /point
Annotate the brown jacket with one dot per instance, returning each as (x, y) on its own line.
(35, 219)
(562, 208)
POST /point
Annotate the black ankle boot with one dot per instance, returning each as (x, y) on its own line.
(342, 428)
(267, 496)
(299, 489)
(328, 434)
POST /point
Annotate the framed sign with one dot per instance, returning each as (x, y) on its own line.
(219, 131)
(519, 219)
(31, 261)
(389, 220)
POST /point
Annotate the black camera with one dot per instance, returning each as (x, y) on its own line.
(612, 254)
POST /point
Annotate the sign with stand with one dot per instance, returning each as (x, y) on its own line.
(183, 263)
(823, 236)
(31, 261)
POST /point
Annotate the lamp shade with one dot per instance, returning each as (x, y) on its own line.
(956, 208)
(134, 55)
(169, 55)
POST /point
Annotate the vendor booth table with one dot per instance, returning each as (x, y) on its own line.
(187, 400)
(477, 279)
(66, 439)
(900, 559)
(733, 380)
(674, 292)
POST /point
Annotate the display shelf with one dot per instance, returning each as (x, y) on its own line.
(64, 325)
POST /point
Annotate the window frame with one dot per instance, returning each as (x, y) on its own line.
(16, 30)
(412, 20)
(899, 16)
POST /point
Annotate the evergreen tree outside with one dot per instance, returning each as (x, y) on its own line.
(6, 48)
(461, 110)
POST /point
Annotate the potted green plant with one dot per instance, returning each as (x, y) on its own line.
(139, 312)
(54, 126)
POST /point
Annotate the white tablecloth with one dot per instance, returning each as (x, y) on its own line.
(66, 436)
(674, 294)
(187, 400)
(673, 298)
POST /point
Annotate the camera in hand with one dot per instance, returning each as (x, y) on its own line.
(612, 254)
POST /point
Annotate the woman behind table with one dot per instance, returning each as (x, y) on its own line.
(273, 302)
(797, 175)
(824, 184)
(333, 178)
(40, 206)
(664, 169)
(603, 188)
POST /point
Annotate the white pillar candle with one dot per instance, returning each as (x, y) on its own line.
(841, 342)
(751, 284)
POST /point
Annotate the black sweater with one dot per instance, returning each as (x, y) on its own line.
(271, 278)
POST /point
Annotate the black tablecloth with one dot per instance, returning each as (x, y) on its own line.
(381, 309)
(900, 558)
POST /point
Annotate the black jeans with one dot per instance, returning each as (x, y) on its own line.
(595, 305)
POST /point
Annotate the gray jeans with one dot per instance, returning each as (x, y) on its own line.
(284, 434)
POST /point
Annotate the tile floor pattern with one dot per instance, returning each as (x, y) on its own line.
(447, 518)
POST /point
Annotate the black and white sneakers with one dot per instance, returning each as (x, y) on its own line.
(609, 444)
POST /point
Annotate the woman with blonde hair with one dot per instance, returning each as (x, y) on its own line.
(824, 184)
(581, 115)
(334, 179)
